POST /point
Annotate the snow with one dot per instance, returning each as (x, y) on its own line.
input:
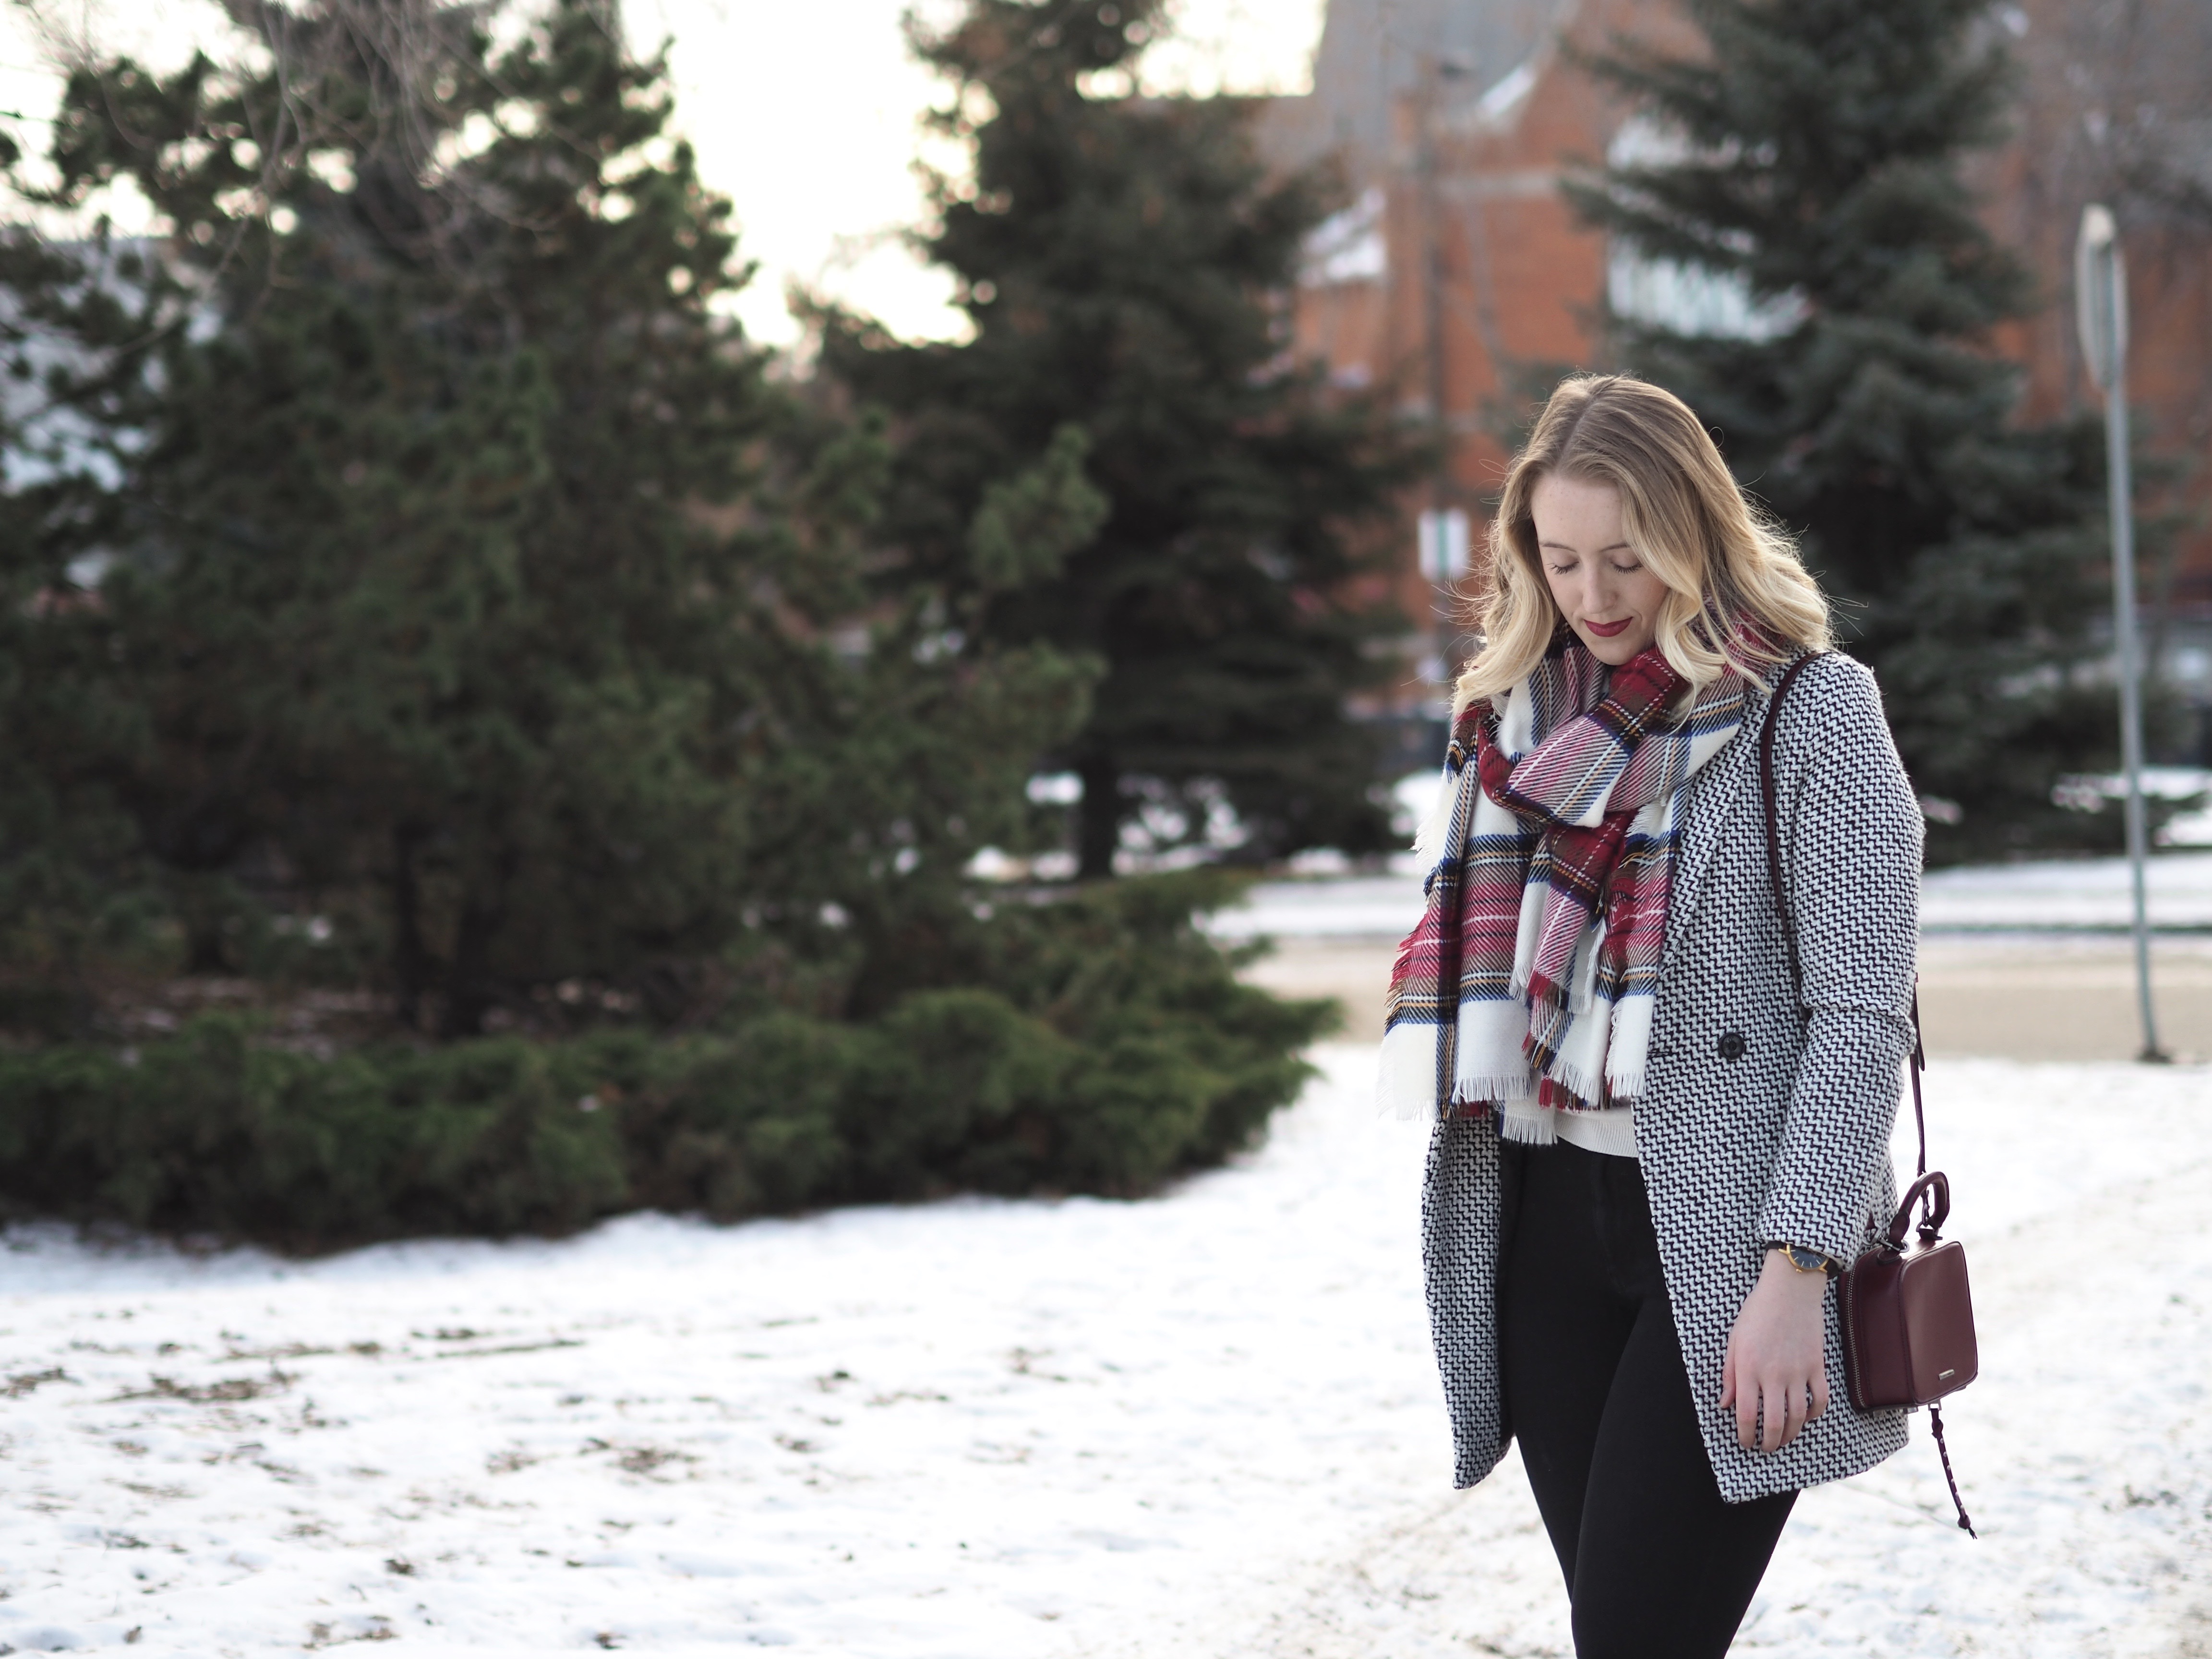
(1203, 1425)
(2058, 895)
(1346, 907)
(2068, 893)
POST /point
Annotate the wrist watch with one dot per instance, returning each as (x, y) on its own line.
(1805, 1260)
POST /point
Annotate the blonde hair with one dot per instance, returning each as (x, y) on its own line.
(1737, 595)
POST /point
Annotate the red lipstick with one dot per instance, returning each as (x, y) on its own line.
(1606, 631)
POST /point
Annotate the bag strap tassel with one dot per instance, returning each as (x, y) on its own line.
(1935, 1422)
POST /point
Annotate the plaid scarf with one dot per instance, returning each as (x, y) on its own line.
(1529, 983)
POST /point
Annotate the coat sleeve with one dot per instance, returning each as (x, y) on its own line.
(1850, 840)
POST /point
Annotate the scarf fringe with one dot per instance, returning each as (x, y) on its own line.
(1405, 1073)
(1532, 1126)
(1503, 1089)
(1588, 1087)
(1492, 1066)
(1630, 1047)
(1579, 995)
(1532, 991)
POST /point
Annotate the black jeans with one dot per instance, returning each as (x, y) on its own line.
(1657, 1566)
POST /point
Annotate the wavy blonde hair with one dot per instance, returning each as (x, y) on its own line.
(1737, 594)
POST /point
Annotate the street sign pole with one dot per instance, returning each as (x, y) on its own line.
(2101, 296)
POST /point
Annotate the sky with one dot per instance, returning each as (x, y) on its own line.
(805, 112)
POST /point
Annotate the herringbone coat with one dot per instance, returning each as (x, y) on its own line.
(1782, 1135)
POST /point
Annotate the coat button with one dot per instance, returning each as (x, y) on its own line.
(1732, 1045)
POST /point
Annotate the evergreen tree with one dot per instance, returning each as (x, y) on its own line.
(73, 881)
(1123, 261)
(466, 587)
(410, 583)
(1813, 153)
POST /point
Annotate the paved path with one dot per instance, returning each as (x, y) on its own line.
(2014, 997)
(2051, 895)
(2021, 961)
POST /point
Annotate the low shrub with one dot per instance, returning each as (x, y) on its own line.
(1105, 1047)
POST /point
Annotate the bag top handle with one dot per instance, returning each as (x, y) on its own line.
(1933, 1193)
(1918, 1063)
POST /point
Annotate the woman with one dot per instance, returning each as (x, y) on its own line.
(1649, 1163)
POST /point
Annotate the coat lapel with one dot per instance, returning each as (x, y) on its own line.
(1720, 784)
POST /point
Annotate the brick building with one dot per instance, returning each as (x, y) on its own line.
(1460, 277)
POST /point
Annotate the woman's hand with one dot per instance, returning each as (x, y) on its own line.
(1775, 1357)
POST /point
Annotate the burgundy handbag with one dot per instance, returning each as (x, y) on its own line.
(1908, 1314)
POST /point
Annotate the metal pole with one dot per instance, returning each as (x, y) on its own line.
(1435, 69)
(2123, 620)
(2101, 278)
(1432, 330)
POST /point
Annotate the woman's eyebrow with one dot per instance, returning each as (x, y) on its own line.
(1608, 548)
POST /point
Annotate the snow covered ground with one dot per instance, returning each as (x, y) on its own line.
(2057, 895)
(2068, 893)
(1205, 1425)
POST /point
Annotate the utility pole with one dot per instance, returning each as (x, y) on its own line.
(1425, 168)
(2102, 311)
(1444, 527)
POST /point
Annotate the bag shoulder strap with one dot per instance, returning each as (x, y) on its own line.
(1766, 791)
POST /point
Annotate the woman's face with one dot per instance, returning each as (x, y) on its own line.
(1608, 596)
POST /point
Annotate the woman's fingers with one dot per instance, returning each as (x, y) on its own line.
(1755, 1412)
(1770, 1411)
(1741, 1392)
(1744, 1399)
(1782, 1410)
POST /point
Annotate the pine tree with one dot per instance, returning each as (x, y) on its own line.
(467, 588)
(1123, 261)
(1814, 154)
(73, 881)
(411, 583)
